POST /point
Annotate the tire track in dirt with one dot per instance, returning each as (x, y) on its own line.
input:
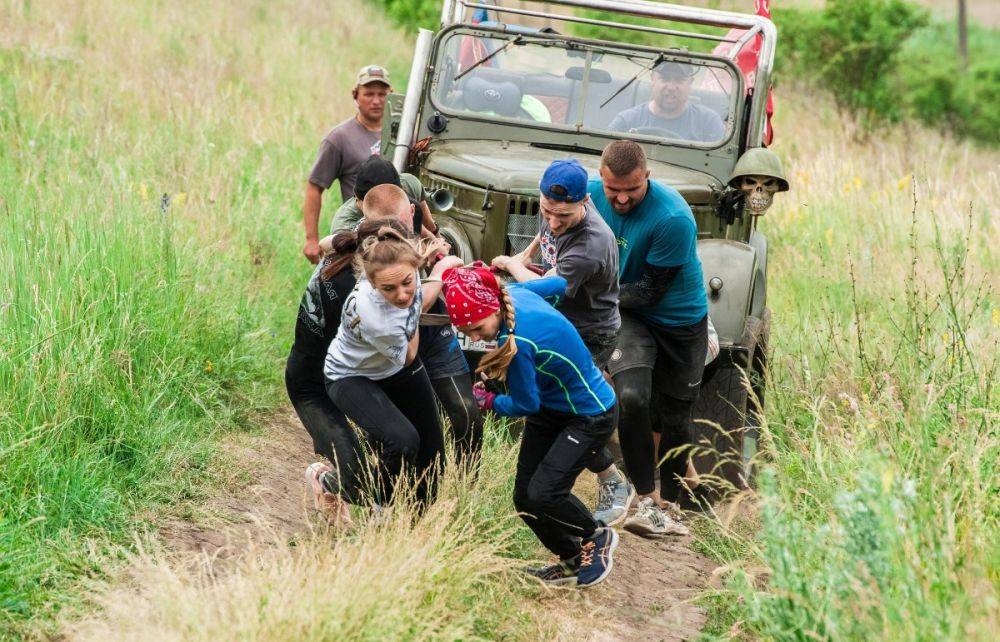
(648, 597)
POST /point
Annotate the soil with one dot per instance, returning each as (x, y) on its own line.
(648, 597)
(268, 472)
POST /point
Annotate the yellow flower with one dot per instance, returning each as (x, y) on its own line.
(946, 337)
(904, 182)
(179, 198)
(143, 192)
(209, 366)
(857, 182)
(829, 236)
(996, 316)
(887, 477)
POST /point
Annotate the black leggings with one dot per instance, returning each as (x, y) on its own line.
(331, 434)
(642, 413)
(555, 447)
(455, 396)
(399, 417)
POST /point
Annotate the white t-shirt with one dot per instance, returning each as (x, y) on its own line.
(373, 335)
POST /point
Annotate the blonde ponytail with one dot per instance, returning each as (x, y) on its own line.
(495, 363)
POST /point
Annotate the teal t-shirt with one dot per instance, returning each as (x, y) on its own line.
(660, 231)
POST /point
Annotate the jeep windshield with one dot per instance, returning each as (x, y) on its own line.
(664, 96)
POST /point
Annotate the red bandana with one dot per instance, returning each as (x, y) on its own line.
(471, 293)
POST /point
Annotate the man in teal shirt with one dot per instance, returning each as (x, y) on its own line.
(664, 332)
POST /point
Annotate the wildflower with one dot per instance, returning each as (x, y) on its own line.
(179, 198)
(904, 182)
(996, 316)
(829, 236)
(209, 366)
(857, 182)
(887, 477)
(946, 337)
(143, 192)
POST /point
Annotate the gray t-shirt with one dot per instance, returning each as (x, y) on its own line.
(373, 335)
(697, 123)
(587, 257)
(340, 156)
(349, 214)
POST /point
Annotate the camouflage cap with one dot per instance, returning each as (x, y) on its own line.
(372, 73)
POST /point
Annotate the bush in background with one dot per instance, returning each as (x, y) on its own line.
(883, 61)
(413, 13)
(851, 48)
(937, 90)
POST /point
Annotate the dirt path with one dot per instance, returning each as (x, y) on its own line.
(648, 596)
(273, 499)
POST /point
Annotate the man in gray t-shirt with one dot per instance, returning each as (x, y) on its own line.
(669, 112)
(344, 149)
(579, 246)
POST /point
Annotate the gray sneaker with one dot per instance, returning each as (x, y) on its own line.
(613, 498)
(650, 521)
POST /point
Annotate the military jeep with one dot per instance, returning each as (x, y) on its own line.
(499, 92)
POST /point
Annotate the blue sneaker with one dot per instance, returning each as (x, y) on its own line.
(596, 556)
(562, 573)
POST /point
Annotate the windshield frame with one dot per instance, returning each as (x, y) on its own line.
(736, 101)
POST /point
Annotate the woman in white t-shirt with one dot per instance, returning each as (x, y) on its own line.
(372, 370)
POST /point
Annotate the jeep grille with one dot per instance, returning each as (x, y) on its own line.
(522, 222)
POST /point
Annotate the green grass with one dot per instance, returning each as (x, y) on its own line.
(877, 515)
(131, 334)
(131, 338)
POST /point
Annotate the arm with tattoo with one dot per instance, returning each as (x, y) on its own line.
(649, 289)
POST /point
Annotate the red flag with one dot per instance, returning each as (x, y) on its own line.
(746, 60)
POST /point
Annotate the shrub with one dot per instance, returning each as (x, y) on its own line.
(853, 47)
(413, 13)
(938, 91)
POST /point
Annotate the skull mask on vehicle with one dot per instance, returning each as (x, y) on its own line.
(759, 191)
(758, 174)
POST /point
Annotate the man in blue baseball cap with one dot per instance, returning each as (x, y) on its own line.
(579, 246)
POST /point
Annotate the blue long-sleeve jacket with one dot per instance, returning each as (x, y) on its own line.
(553, 368)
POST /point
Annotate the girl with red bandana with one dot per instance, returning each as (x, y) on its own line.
(569, 408)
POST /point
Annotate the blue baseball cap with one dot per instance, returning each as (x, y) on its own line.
(564, 181)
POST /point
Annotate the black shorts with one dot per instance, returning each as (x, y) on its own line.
(675, 354)
(601, 345)
(439, 348)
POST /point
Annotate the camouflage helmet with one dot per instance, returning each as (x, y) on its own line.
(759, 161)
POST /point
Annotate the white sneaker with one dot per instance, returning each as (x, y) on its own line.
(650, 521)
(613, 499)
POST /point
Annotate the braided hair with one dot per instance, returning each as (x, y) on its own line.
(494, 364)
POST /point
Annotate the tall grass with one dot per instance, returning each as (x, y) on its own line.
(443, 575)
(878, 514)
(133, 328)
(134, 331)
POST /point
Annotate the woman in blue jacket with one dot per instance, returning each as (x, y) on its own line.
(570, 411)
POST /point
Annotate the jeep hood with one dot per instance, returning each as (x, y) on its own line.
(518, 167)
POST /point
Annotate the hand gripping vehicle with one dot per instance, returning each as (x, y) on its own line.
(498, 92)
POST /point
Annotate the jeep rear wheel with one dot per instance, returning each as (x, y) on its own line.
(726, 416)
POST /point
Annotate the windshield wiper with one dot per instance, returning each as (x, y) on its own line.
(564, 147)
(659, 58)
(515, 41)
